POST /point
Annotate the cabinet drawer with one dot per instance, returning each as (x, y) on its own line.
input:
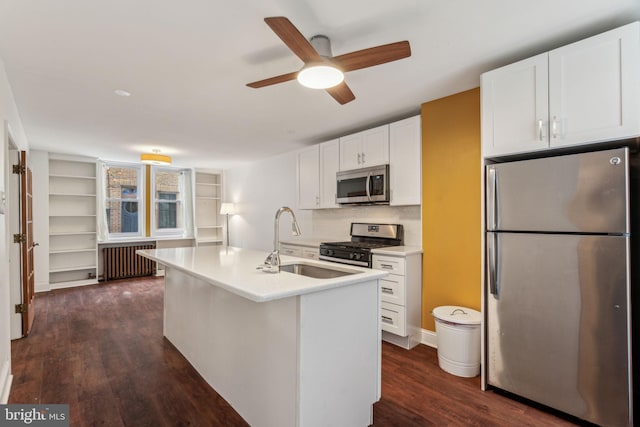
(390, 264)
(291, 250)
(310, 253)
(392, 289)
(392, 319)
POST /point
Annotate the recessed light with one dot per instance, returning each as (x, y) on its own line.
(122, 92)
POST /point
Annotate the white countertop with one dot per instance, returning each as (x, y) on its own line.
(397, 250)
(309, 242)
(234, 269)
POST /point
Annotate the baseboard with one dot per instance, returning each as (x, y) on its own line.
(42, 287)
(5, 382)
(429, 338)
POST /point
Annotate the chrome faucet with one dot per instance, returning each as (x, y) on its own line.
(272, 263)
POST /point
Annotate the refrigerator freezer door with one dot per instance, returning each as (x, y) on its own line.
(558, 323)
(582, 193)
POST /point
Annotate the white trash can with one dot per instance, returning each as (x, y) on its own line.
(458, 336)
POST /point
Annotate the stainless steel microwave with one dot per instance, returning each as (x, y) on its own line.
(366, 185)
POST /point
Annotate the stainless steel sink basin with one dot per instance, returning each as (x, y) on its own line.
(316, 271)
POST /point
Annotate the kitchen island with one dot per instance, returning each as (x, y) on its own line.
(283, 349)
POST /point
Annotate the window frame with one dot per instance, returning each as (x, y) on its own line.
(140, 200)
(153, 204)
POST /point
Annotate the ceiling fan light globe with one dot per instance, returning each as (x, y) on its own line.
(320, 76)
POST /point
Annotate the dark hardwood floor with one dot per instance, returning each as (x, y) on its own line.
(101, 350)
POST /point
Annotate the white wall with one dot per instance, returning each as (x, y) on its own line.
(9, 121)
(260, 188)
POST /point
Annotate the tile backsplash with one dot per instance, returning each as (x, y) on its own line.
(335, 223)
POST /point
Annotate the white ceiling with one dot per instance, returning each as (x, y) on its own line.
(186, 64)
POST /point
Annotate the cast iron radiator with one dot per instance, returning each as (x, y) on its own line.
(122, 262)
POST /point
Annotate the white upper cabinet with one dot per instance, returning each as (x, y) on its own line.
(329, 164)
(582, 93)
(364, 149)
(405, 161)
(308, 178)
(515, 107)
(594, 88)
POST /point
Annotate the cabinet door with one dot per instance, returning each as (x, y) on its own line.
(375, 146)
(351, 152)
(515, 107)
(594, 89)
(290, 250)
(329, 164)
(404, 161)
(308, 179)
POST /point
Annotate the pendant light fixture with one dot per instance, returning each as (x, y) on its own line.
(155, 158)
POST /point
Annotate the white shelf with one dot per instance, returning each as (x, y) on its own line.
(207, 198)
(72, 216)
(72, 176)
(76, 268)
(208, 184)
(209, 240)
(72, 195)
(70, 233)
(210, 226)
(71, 251)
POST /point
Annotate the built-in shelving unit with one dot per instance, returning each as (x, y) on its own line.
(208, 195)
(72, 222)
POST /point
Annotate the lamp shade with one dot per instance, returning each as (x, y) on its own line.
(227, 209)
(320, 76)
(155, 159)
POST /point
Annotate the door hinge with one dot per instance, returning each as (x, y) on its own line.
(21, 308)
(19, 238)
(18, 169)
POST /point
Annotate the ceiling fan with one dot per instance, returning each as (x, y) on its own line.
(317, 58)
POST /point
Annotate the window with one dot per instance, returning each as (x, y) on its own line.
(140, 202)
(168, 189)
(124, 210)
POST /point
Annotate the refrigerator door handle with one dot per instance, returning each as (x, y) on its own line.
(492, 199)
(492, 263)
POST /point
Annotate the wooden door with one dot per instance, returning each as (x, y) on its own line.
(26, 308)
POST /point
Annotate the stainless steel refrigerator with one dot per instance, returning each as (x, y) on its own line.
(558, 311)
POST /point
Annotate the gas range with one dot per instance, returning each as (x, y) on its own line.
(364, 238)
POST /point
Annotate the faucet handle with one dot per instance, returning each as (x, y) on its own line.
(272, 263)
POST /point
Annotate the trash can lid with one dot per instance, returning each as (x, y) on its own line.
(456, 314)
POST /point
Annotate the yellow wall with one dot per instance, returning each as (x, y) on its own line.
(451, 203)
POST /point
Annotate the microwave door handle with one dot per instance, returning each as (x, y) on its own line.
(369, 186)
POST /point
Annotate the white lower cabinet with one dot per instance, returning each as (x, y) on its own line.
(401, 290)
(290, 250)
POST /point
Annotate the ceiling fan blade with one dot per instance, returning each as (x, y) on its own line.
(294, 40)
(341, 93)
(372, 56)
(273, 80)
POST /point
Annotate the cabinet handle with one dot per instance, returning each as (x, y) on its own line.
(541, 136)
(387, 266)
(359, 155)
(554, 127)
(317, 200)
(387, 290)
(387, 319)
(363, 158)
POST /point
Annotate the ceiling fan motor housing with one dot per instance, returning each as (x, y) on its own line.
(322, 45)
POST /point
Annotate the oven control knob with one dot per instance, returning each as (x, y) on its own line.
(352, 255)
(330, 252)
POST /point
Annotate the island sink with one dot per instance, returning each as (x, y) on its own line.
(315, 271)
